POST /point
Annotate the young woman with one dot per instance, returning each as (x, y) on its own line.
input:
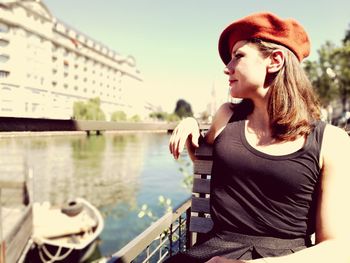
(279, 173)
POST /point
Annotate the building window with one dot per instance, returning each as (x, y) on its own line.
(3, 42)
(34, 106)
(4, 73)
(4, 58)
(4, 28)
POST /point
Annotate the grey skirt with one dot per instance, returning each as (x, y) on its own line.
(240, 247)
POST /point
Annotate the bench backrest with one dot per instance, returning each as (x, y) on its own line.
(200, 221)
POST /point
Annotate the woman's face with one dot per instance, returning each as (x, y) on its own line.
(246, 71)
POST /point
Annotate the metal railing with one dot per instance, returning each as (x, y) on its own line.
(167, 236)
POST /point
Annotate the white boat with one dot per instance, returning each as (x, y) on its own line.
(66, 234)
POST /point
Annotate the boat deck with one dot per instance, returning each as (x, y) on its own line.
(16, 230)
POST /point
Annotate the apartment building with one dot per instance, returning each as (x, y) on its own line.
(46, 66)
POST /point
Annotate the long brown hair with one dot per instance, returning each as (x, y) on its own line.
(293, 106)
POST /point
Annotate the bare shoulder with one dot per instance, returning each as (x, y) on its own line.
(225, 110)
(335, 146)
(335, 137)
(333, 212)
(219, 122)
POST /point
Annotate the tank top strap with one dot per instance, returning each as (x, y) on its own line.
(318, 133)
(241, 110)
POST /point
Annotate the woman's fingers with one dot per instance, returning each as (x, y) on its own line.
(177, 142)
(195, 138)
(180, 134)
(174, 143)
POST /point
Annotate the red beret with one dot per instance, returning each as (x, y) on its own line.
(268, 27)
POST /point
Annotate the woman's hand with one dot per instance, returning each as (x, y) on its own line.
(187, 129)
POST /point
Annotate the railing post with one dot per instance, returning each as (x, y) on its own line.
(160, 243)
(147, 253)
(180, 223)
(188, 233)
(171, 240)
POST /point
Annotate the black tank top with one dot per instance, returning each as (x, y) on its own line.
(254, 193)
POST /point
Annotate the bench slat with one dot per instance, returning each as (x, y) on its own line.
(201, 185)
(200, 205)
(202, 166)
(204, 151)
(201, 224)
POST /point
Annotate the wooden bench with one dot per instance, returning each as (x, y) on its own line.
(200, 221)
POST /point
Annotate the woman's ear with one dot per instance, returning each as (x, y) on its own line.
(276, 61)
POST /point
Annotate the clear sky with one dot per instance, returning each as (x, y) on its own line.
(175, 42)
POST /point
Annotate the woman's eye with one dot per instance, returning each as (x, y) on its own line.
(238, 55)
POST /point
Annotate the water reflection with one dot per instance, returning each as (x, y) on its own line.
(116, 172)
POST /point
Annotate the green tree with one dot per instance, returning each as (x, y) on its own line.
(89, 110)
(164, 116)
(172, 117)
(342, 72)
(321, 73)
(330, 74)
(135, 118)
(158, 115)
(118, 116)
(347, 35)
(183, 109)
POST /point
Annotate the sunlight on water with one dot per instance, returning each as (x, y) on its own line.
(116, 172)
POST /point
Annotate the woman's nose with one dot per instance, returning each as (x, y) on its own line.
(229, 68)
(226, 71)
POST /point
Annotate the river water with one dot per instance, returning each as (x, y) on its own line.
(117, 172)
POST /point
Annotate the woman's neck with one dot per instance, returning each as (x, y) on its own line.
(259, 124)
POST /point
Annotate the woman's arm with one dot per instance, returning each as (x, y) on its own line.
(187, 132)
